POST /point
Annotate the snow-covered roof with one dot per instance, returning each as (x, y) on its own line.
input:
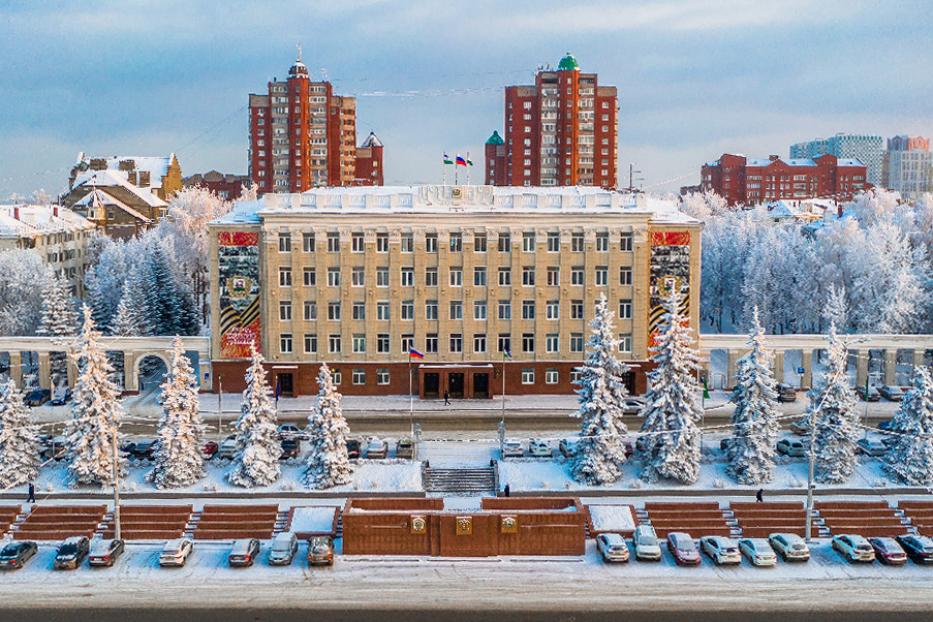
(100, 196)
(788, 161)
(783, 209)
(849, 162)
(157, 166)
(109, 178)
(27, 220)
(372, 141)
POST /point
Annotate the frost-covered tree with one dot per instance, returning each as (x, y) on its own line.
(58, 314)
(163, 308)
(178, 459)
(673, 409)
(600, 451)
(126, 323)
(328, 463)
(20, 298)
(911, 457)
(836, 310)
(19, 439)
(135, 299)
(832, 409)
(754, 421)
(257, 459)
(104, 280)
(96, 411)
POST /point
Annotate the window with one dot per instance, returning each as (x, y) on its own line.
(553, 310)
(575, 377)
(550, 376)
(479, 309)
(333, 344)
(553, 242)
(576, 242)
(285, 343)
(310, 344)
(479, 343)
(456, 277)
(338, 376)
(310, 310)
(408, 277)
(505, 243)
(602, 275)
(625, 343)
(430, 243)
(359, 376)
(333, 277)
(356, 243)
(576, 342)
(528, 309)
(285, 310)
(285, 277)
(430, 342)
(307, 242)
(382, 242)
(382, 343)
(625, 309)
(285, 242)
(333, 311)
(505, 343)
(358, 277)
(479, 277)
(479, 242)
(528, 241)
(625, 242)
(625, 276)
(430, 277)
(505, 310)
(408, 342)
(528, 276)
(408, 243)
(552, 343)
(602, 242)
(456, 242)
(528, 342)
(553, 276)
(505, 277)
(577, 275)
(382, 277)
(456, 342)
(359, 344)
(359, 310)
(382, 376)
(310, 277)
(528, 376)
(333, 242)
(576, 309)
(408, 310)
(456, 310)
(430, 309)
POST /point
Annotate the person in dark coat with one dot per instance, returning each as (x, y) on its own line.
(506, 490)
(759, 496)
(32, 493)
(446, 398)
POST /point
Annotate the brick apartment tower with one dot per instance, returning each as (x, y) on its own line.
(302, 135)
(561, 131)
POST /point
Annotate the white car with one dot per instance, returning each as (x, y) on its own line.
(284, 548)
(539, 449)
(721, 550)
(175, 552)
(646, 544)
(790, 547)
(854, 548)
(633, 405)
(377, 449)
(758, 551)
(512, 449)
(291, 431)
(228, 448)
(612, 547)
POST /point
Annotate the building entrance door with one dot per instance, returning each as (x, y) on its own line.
(480, 386)
(628, 379)
(286, 384)
(455, 384)
(432, 383)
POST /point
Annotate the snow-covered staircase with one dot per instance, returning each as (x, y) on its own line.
(460, 480)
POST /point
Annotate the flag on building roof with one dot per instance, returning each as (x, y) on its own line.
(447, 159)
(414, 354)
(469, 161)
(507, 354)
(460, 160)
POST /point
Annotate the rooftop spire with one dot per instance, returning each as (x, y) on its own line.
(299, 51)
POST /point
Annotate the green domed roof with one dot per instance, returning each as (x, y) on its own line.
(495, 139)
(568, 63)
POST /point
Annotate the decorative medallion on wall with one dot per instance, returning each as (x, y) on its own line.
(509, 524)
(419, 524)
(464, 525)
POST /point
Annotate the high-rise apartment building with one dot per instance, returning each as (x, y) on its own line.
(867, 148)
(908, 166)
(303, 135)
(561, 131)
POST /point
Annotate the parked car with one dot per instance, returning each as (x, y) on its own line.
(143, 449)
(55, 449)
(917, 548)
(758, 551)
(175, 552)
(71, 552)
(567, 447)
(37, 397)
(645, 540)
(612, 547)
(291, 431)
(854, 548)
(512, 448)
(353, 448)
(721, 550)
(871, 447)
(790, 546)
(405, 448)
(14, 555)
(243, 553)
(786, 393)
(888, 551)
(726, 443)
(629, 447)
(377, 449)
(60, 396)
(887, 425)
(291, 448)
(869, 394)
(801, 426)
(321, 551)
(283, 550)
(683, 548)
(209, 449)
(228, 448)
(539, 449)
(891, 392)
(641, 443)
(792, 447)
(105, 552)
(633, 405)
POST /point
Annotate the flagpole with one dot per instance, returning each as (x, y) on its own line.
(411, 400)
(468, 168)
(502, 420)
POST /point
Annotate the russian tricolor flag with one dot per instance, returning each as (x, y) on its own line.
(460, 160)
(414, 354)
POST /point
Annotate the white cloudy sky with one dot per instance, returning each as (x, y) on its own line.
(695, 77)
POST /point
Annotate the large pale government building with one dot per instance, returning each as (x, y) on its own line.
(355, 277)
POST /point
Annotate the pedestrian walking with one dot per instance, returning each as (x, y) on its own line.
(446, 398)
(759, 496)
(32, 493)
(506, 491)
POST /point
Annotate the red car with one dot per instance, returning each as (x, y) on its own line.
(888, 551)
(683, 548)
(209, 448)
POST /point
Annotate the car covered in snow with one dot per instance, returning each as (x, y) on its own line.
(871, 447)
(633, 406)
(888, 551)
(209, 449)
(612, 547)
(71, 552)
(243, 553)
(721, 550)
(60, 396)
(790, 546)
(645, 540)
(854, 548)
(795, 448)
(538, 448)
(786, 392)
(377, 449)
(353, 448)
(405, 448)
(291, 431)
(37, 397)
(54, 449)
(175, 552)
(228, 448)
(758, 551)
(917, 548)
(284, 548)
(512, 448)
(105, 551)
(891, 392)
(291, 448)
(143, 449)
(683, 548)
(868, 394)
(14, 555)
(321, 551)
(801, 426)
(567, 447)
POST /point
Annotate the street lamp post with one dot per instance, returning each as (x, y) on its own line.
(116, 486)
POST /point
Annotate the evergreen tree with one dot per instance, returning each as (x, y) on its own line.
(136, 299)
(751, 454)
(836, 310)
(127, 322)
(832, 408)
(96, 411)
(257, 460)
(672, 438)
(911, 457)
(58, 315)
(328, 463)
(600, 451)
(162, 309)
(178, 459)
(189, 322)
(19, 439)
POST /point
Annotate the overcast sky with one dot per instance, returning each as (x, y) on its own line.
(695, 77)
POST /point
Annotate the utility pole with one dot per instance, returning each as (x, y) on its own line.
(810, 469)
(116, 486)
(220, 416)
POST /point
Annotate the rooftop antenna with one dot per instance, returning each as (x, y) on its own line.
(299, 51)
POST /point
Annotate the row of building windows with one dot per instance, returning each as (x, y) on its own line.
(358, 376)
(455, 242)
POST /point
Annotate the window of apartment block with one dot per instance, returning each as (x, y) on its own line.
(408, 342)
(356, 243)
(456, 309)
(602, 275)
(333, 311)
(408, 277)
(430, 277)
(310, 310)
(382, 277)
(625, 343)
(382, 242)
(408, 243)
(625, 309)
(285, 310)
(479, 242)
(333, 344)
(307, 242)
(550, 376)
(576, 309)
(528, 276)
(479, 277)
(553, 276)
(505, 242)
(528, 241)
(528, 342)
(285, 242)
(456, 277)
(359, 344)
(625, 242)
(552, 343)
(625, 276)
(577, 275)
(333, 277)
(357, 277)
(382, 343)
(575, 377)
(528, 375)
(528, 309)
(505, 277)
(359, 376)
(285, 343)
(310, 344)
(576, 342)
(553, 310)
(456, 343)
(407, 310)
(285, 277)
(456, 242)
(430, 243)
(310, 277)
(430, 342)
(602, 242)
(359, 310)
(337, 376)
(505, 309)
(553, 242)
(504, 343)
(479, 309)
(333, 242)
(576, 242)
(382, 376)
(430, 309)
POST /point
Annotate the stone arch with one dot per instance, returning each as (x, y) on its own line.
(140, 357)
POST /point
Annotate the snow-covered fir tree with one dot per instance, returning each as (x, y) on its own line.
(754, 421)
(127, 322)
(19, 439)
(257, 459)
(836, 310)
(911, 457)
(832, 409)
(673, 409)
(600, 452)
(20, 299)
(178, 459)
(135, 299)
(328, 463)
(162, 305)
(95, 412)
(58, 314)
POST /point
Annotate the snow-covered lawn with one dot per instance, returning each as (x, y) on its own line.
(616, 518)
(313, 520)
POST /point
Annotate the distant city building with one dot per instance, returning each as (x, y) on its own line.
(908, 166)
(748, 181)
(867, 148)
(369, 162)
(561, 131)
(117, 207)
(302, 135)
(159, 174)
(224, 185)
